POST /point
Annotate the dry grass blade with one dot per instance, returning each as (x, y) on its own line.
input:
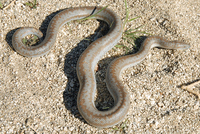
(6, 7)
(190, 86)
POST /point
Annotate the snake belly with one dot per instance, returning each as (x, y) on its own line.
(89, 59)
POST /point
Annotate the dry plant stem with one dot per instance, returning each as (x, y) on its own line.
(9, 5)
(189, 88)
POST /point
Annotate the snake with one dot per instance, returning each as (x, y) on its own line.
(88, 61)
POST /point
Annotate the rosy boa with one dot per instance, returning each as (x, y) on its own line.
(89, 58)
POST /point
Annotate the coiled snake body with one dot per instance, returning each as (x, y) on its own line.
(89, 58)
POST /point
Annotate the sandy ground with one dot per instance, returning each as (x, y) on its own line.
(38, 95)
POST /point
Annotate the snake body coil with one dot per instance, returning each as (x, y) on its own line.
(89, 58)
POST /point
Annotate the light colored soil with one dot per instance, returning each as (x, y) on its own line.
(39, 94)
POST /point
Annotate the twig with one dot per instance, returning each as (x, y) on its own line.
(190, 86)
(9, 5)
